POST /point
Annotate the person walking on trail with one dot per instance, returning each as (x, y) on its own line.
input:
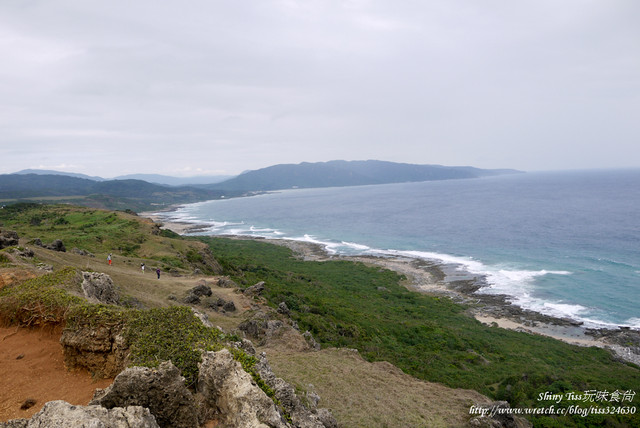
(158, 272)
(109, 259)
(142, 267)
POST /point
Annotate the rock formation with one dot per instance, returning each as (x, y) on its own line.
(8, 238)
(98, 288)
(60, 414)
(226, 283)
(101, 350)
(231, 395)
(261, 327)
(255, 290)
(56, 245)
(82, 252)
(161, 390)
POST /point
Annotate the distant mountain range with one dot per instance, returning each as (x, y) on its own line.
(136, 195)
(150, 178)
(348, 173)
(52, 172)
(139, 194)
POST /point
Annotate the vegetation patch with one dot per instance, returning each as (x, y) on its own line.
(104, 232)
(351, 305)
(39, 301)
(174, 334)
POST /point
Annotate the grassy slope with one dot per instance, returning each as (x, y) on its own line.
(102, 232)
(352, 305)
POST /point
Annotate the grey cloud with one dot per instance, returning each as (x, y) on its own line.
(229, 86)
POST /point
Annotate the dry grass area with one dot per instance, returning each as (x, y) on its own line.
(363, 394)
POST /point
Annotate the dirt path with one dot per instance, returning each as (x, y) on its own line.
(32, 367)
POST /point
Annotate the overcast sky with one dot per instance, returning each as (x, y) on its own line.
(217, 87)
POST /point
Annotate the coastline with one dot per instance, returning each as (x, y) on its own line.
(429, 277)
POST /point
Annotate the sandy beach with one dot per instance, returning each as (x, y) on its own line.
(429, 277)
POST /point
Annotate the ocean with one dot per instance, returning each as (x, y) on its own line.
(566, 244)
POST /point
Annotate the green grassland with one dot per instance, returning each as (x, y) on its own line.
(347, 304)
(102, 232)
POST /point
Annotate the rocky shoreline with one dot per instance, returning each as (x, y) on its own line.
(436, 278)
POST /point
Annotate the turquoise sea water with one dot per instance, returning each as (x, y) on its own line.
(561, 243)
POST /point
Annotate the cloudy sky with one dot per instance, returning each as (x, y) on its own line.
(217, 87)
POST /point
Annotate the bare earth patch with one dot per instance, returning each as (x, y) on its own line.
(32, 369)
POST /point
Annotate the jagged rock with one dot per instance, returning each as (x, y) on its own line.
(283, 309)
(15, 423)
(327, 419)
(191, 299)
(232, 395)
(226, 283)
(261, 327)
(229, 306)
(80, 252)
(311, 341)
(201, 290)
(26, 252)
(99, 287)
(8, 238)
(313, 399)
(161, 390)
(210, 304)
(101, 350)
(301, 416)
(255, 290)
(204, 319)
(57, 245)
(60, 414)
(247, 347)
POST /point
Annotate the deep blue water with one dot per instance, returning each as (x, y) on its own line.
(561, 243)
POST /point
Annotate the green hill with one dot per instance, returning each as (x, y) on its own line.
(348, 173)
(137, 195)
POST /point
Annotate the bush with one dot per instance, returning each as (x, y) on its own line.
(39, 301)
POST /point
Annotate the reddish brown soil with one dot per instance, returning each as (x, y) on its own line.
(32, 367)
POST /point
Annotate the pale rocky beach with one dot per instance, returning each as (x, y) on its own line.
(429, 277)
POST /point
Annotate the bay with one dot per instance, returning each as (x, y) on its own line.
(561, 243)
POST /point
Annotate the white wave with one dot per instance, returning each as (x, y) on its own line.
(355, 246)
(556, 309)
(633, 323)
(259, 230)
(519, 284)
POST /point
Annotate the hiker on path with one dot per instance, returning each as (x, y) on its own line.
(109, 259)
(142, 267)
(158, 272)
